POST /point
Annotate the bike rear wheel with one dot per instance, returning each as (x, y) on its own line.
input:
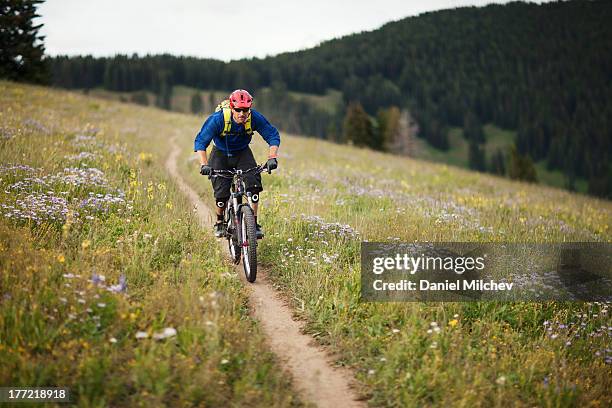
(249, 243)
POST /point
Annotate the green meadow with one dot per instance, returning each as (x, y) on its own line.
(110, 286)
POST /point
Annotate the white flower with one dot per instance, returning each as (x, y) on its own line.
(113, 340)
(101, 304)
(224, 361)
(142, 335)
(166, 333)
(501, 380)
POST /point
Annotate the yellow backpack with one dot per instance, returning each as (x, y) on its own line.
(227, 118)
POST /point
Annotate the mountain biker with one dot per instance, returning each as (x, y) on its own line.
(231, 150)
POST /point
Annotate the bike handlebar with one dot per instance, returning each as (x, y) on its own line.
(229, 174)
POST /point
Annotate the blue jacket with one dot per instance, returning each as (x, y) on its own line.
(237, 139)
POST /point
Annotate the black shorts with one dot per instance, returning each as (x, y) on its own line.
(242, 160)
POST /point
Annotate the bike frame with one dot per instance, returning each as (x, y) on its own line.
(237, 191)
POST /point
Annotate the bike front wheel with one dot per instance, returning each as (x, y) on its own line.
(232, 238)
(249, 243)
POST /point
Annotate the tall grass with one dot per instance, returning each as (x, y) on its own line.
(108, 284)
(326, 198)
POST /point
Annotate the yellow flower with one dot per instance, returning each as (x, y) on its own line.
(61, 259)
(453, 323)
(85, 244)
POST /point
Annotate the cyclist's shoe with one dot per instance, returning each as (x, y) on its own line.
(219, 230)
(260, 233)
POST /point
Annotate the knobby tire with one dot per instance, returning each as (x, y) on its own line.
(249, 258)
(232, 240)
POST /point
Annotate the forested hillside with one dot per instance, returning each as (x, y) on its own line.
(542, 70)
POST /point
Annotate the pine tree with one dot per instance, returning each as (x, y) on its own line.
(521, 167)
(358, 128)
(21, 48)
(472, 128)
(476, 156)
(498, 163)
(196, 103)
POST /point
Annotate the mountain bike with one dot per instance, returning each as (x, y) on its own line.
(239, 220)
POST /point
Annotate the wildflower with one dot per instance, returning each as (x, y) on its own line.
(97, 279)
(371, 372)
(61, 258)
(395, 330)
(453, 323)
(113, 340)
(85, 244)
(68, 275)
(102, 305)
(166, 333)
(142, 335)
(501, 380)
(224, 361)
(121, 287)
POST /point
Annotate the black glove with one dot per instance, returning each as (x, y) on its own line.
(205, 170)
(271, 164)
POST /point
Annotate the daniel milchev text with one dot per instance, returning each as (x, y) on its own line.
(433, 264)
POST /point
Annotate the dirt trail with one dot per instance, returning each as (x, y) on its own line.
(313, 374)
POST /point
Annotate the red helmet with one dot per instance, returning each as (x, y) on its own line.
(240, 99)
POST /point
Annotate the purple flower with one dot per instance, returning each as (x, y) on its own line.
(97, 279)
(121, 287)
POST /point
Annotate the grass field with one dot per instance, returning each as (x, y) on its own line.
(326, 198)
(323, 201)
(108, 285)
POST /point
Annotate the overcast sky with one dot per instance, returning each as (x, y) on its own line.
(221, 29)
